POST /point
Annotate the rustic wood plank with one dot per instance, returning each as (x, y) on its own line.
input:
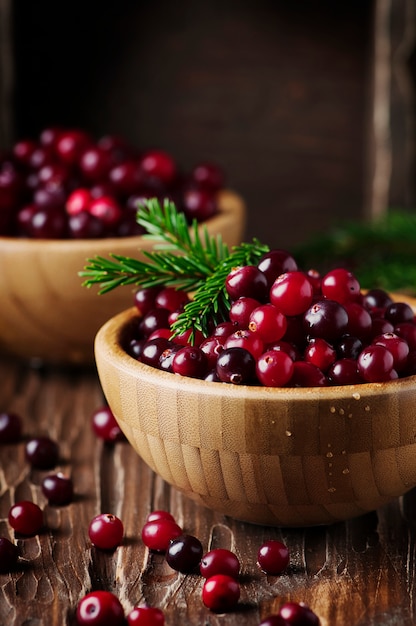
(358, 573)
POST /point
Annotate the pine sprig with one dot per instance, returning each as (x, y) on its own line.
(211, 302)
(186, 258)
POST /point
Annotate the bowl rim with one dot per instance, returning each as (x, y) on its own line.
(229, 201)
(107, 346)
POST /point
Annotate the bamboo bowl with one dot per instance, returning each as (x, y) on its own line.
(45, 312)
(285, 457)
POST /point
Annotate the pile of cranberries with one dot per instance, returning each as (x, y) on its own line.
(65, 184)
(286, 328)
(183, 552)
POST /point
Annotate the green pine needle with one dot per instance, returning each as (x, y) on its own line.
(186, 258)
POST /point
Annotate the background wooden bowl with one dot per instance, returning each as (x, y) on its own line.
(45, 312)
(291, 457)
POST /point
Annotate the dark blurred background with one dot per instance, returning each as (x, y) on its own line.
(309, 106)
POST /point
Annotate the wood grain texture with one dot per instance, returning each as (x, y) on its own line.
(45, 312)
(356, 573)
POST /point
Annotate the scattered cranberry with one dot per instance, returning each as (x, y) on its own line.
(184, 553)
(10, 428)
(157, 534)
(58, 489)
(273, 557)
(106, 531)
(159, 514)
(100, 608)
(105, 426)
(219, 561)
(220, 593)
(146, 616)
(26, 518)
(9, 555)
(42, 452)
(298, 614)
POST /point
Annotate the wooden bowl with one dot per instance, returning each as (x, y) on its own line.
(45, 312)
(274, 456)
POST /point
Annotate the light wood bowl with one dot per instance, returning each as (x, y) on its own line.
(46, 314)
(286, 457)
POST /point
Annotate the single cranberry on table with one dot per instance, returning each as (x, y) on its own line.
(10, 428)
(221, 593)
(184, 553)
(58, 489)
(100, 608)
(157, 534)
(105, 425)
(219, 561)
(9, 555)
(273, 557)
(298, 614)
(106, 531)
(26, 518)
(146, 616)
(42, 452)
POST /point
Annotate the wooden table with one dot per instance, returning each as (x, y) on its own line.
(357, 573)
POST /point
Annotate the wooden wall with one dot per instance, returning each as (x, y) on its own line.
(288, 97)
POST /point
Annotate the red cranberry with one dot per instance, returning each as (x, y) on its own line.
(276, 262)
(146, 616)
(184, 553)
(106, 531)
(219, 561)
(48, 224)
(267, 322)
(298, 614)
(327, 319)
(26, 518)
(199, 205)
(105, 426)
(94, 163)
(340, 285)
(126, 178)
(71, 144)
(83, 225)
(23, 150)
(220, 593)
(292, 293)
(375, 364)
(159, 514)
(79, 200)
(208, 176)
(105, 208)
(42, 452)
(190, 361)
(157, 534)
(236, 365)
(58, 489)
(10, 428)
(100, 608)
(273, 557)
(274, 368)
(171, 299)
(247, 281)
(157, 164)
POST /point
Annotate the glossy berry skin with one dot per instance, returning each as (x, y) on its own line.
(298, 614)
(146, 616)
(247, 281)
(157, 534)
(199, 205)
(397, 346)
(58, 489)
(241, 310)
(292, 293)
(184, 553)
(9, 555)
(340, 285)
(327, 319)
(171, 299)
(145, 299)
(26, 518)
(273, 557)
(307, 375)
(106, 531)
(158, 164)
(344, 372)
(220, 593)
(159, 514)
(236, 366)
(398, 312)
(247, 340)
(320, 353)
(10, 428)
(268, 323)
(274, 368)
(219, 561)
(106, 209)
(190, 361)
(78, 201)
(375, 364)
(105, 426)
(100, 608)
(42, 452)
(276, 262)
